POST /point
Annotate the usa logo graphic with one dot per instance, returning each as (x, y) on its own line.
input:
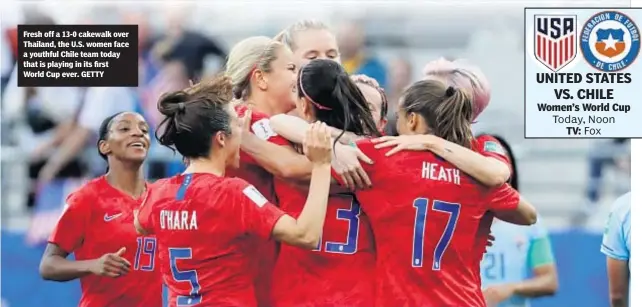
(555, 40)
(610, 41)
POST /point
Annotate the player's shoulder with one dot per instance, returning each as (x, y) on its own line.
(160, 185)
(210, 183)
(367, 146)
(259, 122)
(261, 127)
(488, 143)
(235, 183)
(87, 193)
(485, 137)
(256, 115)
(622, 205)
(245, 190)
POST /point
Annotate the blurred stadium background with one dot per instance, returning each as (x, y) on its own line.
(572, 182)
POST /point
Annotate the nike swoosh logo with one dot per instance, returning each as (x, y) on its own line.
(109, 218)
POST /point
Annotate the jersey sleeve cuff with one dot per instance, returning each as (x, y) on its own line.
(272, 216)
(64, 246)
(611, 254)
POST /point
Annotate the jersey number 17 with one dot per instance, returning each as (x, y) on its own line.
(421, 215)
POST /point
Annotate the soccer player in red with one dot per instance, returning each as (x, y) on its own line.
(452, 202)
(486, 161)
(339, 272)
(116, 266)
(441, 212)
(207, 224)
(263, 75)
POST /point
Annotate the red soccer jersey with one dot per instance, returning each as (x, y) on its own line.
(253, 173)
(206, 227)
(340, 272)
(488, 146)
(425, 214)
(249, 170)
(98, 220)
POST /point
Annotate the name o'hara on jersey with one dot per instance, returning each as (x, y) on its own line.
(434, 171)
(178, 220)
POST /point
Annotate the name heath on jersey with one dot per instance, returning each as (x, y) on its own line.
(178, 220)
(432, 171)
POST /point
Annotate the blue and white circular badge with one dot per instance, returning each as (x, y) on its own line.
(610, 41)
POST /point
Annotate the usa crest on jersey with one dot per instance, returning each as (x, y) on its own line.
(555, 40)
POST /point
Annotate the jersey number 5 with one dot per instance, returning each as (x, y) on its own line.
(190, 276)
(350, 245)
(421, 207)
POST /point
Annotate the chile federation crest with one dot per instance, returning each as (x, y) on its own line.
(610, 41)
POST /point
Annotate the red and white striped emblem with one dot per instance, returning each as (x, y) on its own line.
(555, 40)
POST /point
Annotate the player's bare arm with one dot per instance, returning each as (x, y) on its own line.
(305, 231)
(56, 267)
(293, 128)
(280, 160)
(543, 283)
(619, 277)
(346, 161)
(524, 214)
(487, 170)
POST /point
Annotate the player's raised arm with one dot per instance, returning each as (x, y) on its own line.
(305, 231)
(293, 128)
(281, 160)
(488, 170)
(346, 160)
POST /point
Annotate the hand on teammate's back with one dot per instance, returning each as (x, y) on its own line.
(111, 265)
(403, 142)
(317, 144)
(347, 165)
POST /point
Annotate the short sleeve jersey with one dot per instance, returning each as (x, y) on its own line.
(616, 242)
(340, 271)
(206, 226)
(425, 213)
(488, 146)
(249, 170)
(253, 173)
(93, 211)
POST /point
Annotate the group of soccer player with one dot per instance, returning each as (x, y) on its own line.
(308, 209)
